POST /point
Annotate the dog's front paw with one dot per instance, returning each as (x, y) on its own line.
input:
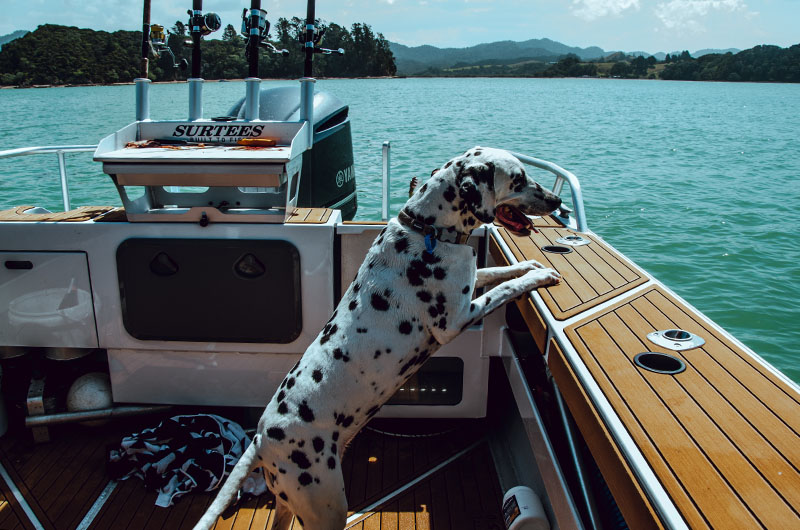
(541, 278)
(530, 265)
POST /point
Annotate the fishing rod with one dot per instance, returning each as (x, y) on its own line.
(143, 67)
(199, 26)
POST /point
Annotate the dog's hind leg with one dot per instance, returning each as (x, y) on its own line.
(495, 275)
(283, 516)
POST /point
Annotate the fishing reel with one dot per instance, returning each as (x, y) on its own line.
(159, 43)
(256, 26)
(203, 24)
(319, 34)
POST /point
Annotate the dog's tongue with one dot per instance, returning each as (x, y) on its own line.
(513, 219)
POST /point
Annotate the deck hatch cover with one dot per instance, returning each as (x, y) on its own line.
(210, 290)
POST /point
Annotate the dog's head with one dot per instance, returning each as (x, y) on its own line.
(493, 185)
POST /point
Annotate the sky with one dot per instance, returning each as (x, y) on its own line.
(629, 25)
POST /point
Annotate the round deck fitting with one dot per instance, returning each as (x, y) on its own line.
(573, 240)
(676, 339)
(660, 363)
(556, 249)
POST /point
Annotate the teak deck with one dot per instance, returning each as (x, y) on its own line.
(62, 480)
(722, 438)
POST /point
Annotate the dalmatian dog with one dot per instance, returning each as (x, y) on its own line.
(411, 295)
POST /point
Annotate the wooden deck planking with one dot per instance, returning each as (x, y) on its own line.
(82, 213)
(591, 274)
(740, 406)
(61, 503)
(726, 456)
(310, 216)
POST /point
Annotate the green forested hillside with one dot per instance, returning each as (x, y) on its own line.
(54, 55)
(762, 63)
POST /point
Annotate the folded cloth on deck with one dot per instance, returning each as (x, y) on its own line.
(182, 454)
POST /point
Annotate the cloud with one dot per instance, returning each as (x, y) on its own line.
(685, 14)
(592, 9)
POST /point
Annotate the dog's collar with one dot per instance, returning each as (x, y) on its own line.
(431, 232)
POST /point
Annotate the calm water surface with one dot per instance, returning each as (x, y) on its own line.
(698, 183)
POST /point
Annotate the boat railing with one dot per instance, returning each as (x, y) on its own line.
(60, 151)
(562, 175)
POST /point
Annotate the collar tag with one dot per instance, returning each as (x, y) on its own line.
(430, 243)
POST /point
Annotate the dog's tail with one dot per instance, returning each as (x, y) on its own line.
(230, 489)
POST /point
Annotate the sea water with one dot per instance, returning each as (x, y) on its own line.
(698, 183)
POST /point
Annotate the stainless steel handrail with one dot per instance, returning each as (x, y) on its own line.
(59, 150)
(561, 176)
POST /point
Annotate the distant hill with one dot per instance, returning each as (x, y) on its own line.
(5, 39)
(413, 60)
(417, 59)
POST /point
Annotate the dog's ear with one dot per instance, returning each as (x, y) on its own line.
(476, 189)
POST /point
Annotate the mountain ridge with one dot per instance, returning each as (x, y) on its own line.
(415, 59)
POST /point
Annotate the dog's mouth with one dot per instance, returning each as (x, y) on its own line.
(513, 220)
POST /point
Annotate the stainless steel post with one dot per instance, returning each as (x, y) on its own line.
(62, 171)
(251, 105)
(195, 99)
(142, 99)
(387, 146)
(307, 106)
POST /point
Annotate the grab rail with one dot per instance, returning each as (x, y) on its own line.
(561, 176)
(59, 150)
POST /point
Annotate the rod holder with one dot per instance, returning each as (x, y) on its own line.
(251, 108)
(142, 98)
(307, 106)
(195, 99)
(386, 180)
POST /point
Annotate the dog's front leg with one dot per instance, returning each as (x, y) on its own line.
(494, 298)
(495, 275)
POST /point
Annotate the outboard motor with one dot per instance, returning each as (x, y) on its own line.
(328, 176)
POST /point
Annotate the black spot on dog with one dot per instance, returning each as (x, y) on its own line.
(353, 304)
(304, 479)
(281, 395)
(335, 435)
(327, 332)
(319, 444)
(378, 302)
(439, 273)
(305, 412)
(316, 375)
(290, 382)
(331, 463)
(447, 165)
(401, 245)
(361, 330)
(425, 296)
(377, 354)
(465, 290)
(417, 272)
(432, 311)
(449, 194)
(281, 471)
(333, 448)
(356, 287)
(300, 459)
(282, 408)
(404, 327)
(339, 354)
(429, 258)
(301, 443)
(283, 496)
(423, 188)
(276, 433)
(344, 421)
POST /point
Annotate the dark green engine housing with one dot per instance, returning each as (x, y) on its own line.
(328, 178)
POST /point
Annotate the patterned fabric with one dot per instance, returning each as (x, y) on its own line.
(182, 454)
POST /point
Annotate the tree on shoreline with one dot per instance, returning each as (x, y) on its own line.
(61, 55)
